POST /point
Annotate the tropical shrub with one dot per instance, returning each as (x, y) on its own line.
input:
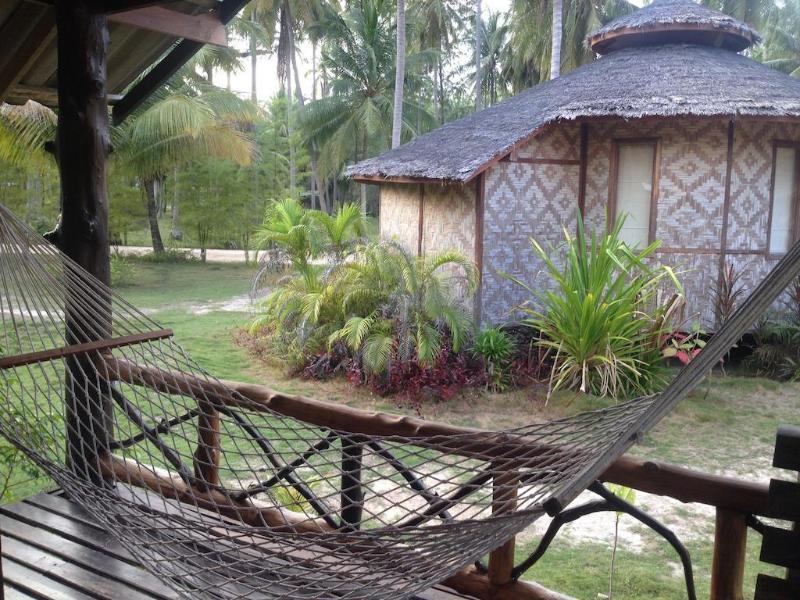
(496, 350)
(402, 308)
(600, 317)
(776, 349)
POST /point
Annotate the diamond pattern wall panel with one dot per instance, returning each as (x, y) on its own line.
(523, 201)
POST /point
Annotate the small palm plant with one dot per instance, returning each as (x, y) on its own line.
(600, 317)
(403, 306)
(289, 228)
(342, 230)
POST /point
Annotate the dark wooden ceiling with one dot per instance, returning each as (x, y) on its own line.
(142, 34)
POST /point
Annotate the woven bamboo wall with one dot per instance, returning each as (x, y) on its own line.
(399, 214)
(525, 198)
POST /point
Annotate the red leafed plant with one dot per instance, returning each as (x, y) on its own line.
(684, 346)
(414, 383)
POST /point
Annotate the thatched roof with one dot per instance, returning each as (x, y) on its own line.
(648, 81)
(672, 21)
(671, 58)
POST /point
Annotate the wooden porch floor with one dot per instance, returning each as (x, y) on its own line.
(52, 549)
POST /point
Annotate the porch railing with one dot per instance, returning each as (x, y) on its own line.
(736, 501)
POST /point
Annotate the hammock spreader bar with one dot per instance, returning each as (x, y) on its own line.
(20, 360)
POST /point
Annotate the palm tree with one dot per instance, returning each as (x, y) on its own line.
(436, 23)
(478, 46)
(354, 120)
(535, 42)
(176, 130)
(258, 40)
(399, 73)
(555, 47)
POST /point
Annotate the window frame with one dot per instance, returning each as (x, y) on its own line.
(795, 210)
(613, 181)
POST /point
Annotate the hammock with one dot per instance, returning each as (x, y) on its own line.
(222, 497)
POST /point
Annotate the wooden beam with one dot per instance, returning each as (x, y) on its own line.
(478, 585)
(171, 486)
(584, 167)
(35, 41)
(730, 548)
(169, 65)
(205, 28)
(474, 443)
(83, 141)
(688, 485)
(505, 488)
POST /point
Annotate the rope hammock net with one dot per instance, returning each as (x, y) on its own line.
(222, 497)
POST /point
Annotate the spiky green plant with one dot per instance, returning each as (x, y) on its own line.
(496, 349)
(403, 305)
(600, 316)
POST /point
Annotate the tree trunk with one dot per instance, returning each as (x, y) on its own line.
(478, 44)
(152, 215)
(314, 70)
(290, 133)
(175, 229)
(35, 195)
(253, 66)
(315, 183)
(399, 74)
(440, 69)
(555, 50)
(83, 144)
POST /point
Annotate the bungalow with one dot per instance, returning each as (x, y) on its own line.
(698, 144)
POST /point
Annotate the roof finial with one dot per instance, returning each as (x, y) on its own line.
(670, 22)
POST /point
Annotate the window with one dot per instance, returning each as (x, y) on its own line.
(634, 190)
(783, 224)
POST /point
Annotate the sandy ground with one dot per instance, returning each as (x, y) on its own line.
(212, 255)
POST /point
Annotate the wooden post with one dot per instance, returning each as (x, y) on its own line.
(207, 455)
(504, 499)
(83, 144)
(352, 495)
(730, 544)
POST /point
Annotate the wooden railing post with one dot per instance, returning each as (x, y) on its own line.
(730, 544)
(207, 455)
(505, 486)
(352, 494)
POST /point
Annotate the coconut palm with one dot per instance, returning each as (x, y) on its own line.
(556, 31)
(478, 46)
(781, 47)
(399, 73)
(354, 119)
(493, 58)
(437, 23)
(177, 129)
(535, 45)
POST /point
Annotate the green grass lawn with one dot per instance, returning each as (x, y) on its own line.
(728, 425)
